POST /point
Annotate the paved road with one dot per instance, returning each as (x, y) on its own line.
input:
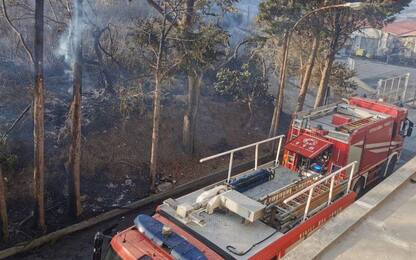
(370, 71)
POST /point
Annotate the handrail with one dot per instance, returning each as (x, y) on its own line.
(256, 154)
(311, 187)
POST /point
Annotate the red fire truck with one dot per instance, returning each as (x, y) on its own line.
(330, 155)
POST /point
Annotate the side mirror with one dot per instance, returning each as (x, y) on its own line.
(410, 128)
(409, 132)
(98, 246)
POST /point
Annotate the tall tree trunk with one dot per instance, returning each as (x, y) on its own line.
(323, 84)
(191, 114)
(38, 120)
(280, 96)
(326, 73)
(194, 88)
(250, 105)
(3, 208)
(189, 14)
(156, 106)
(75, 147)
(308, 73)
(155, 132)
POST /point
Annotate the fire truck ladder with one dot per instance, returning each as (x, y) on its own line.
(302, 119)
(303, 203)
(277, 197)
(350, 127)
(320, 187)
(323, 110)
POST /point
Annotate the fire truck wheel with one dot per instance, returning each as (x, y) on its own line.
(359, 187)
(390, 166)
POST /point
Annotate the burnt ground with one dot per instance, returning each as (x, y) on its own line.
(116, 148)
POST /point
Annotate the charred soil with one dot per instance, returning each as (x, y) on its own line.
(116, 151)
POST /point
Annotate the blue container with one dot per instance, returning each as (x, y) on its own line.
(251, 180)
(178, 247)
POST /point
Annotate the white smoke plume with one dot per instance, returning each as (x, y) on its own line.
(72, 36)
(242, 24)
(248, 9)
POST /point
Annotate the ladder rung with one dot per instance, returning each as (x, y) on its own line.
(282, 209)
(291, 203)
(324, 187)
(297, 202)
(299, 199)
(290, 207)
(284, 206)
(351, 126)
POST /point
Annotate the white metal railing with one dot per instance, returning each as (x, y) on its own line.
(393, 89)
(256, 153)
(311, 188)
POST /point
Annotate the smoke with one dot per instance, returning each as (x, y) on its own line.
(248, 9)
(242, 24)
(72, 36)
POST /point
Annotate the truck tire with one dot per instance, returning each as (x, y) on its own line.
(390, 166)
(359, 188)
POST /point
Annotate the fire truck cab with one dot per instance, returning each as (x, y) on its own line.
(362, 130)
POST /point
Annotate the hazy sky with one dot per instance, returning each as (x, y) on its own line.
(410, 12)
(252, 6)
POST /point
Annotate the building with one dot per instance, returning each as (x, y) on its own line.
(395, 39)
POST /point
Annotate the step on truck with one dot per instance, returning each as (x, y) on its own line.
(330, 155)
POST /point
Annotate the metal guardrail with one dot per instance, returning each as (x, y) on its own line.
(256, 153)
(395, 89)
(311, 188)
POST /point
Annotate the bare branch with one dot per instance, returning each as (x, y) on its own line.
(159, 9)
(25, 46)
(6, 134)
(235, 53)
